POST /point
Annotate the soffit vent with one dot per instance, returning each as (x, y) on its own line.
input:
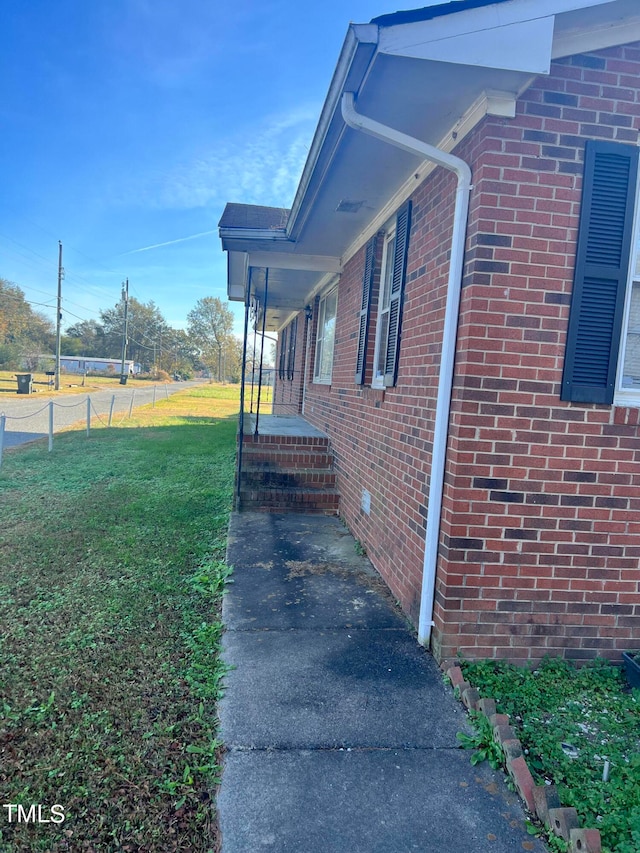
(346, 206)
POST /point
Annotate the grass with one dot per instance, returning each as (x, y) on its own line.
(111, 574)
(570, 722)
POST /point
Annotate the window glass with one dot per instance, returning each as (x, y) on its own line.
(629, 364)
(382, 328)
(631, 367)
(325, 340)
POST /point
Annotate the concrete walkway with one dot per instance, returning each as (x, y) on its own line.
(340, 733)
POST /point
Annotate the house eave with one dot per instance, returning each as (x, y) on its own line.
(432, 80)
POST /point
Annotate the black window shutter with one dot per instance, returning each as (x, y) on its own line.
(282, 358)
(602, 268)
(403, 229)
(365, 311)
(291, 353)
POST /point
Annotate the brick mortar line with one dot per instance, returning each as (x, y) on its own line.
(541, 800)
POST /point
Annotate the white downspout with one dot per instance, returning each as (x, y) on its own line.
(445, 380)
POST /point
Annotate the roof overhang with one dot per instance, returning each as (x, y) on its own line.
(432, 74)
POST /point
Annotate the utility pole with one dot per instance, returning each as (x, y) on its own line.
(58, 317)
(125, 299)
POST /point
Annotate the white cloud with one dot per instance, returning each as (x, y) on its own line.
(261, 167)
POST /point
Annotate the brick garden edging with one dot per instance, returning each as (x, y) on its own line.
(541, 800)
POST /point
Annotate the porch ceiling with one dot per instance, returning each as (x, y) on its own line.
(400, 78)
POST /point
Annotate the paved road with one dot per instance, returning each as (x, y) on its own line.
(27, 418)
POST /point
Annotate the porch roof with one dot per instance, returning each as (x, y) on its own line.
(431, 73)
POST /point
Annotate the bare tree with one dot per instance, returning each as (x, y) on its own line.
(210, 329)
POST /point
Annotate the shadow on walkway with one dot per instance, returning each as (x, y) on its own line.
(340, 733)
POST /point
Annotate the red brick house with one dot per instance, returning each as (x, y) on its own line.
(456, 291)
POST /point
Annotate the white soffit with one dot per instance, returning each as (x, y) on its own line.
(523, 46)
(501, 104)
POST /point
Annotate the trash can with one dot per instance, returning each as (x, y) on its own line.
(123, 379)
(25, 381)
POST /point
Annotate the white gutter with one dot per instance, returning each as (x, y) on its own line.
(445, 380)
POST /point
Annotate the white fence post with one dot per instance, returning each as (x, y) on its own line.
(113, 400)
(50, 425)
(154, 396)
(133, 394)
(3, 418)
(88, 415)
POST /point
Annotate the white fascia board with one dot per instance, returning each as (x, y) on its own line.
(598, 38)
(235, 293)
(269, 234)
(237, 275)
(398, 36)
(358, 36)
(451, 37)
(282, 261)
(522, 46)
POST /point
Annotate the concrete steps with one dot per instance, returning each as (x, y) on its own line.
(287, 473)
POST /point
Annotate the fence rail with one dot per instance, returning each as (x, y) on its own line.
(89, 407)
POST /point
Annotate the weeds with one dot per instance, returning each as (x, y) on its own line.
(482, 742)
(580, 729)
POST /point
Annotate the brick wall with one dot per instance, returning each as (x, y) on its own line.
(382, 438)
(540, 542)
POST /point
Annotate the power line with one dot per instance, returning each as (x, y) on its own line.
(50, 265)
(69, 246)
(4, 294)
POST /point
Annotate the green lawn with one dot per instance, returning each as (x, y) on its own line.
(111, 571)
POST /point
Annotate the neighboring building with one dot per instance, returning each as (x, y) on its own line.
(456, 290)
(89, 364)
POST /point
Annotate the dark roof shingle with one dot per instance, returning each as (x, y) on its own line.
(428, 13)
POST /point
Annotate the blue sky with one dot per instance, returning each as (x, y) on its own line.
(128, 124)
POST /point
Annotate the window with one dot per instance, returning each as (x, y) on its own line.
(602, 353)
(628, 388)
(325, 336)
(392, 280)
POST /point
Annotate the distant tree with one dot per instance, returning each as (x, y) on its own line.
(180, 354)
(148, 335)
(85, 338)
(23, 331)
(232, 360)
(210, 326)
